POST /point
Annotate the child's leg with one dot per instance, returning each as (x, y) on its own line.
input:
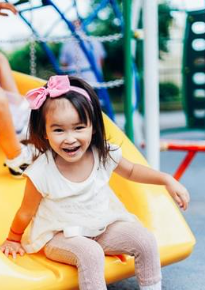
(133, 238)
(8, 139)
(82, 252)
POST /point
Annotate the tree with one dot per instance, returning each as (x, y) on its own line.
(20, 60)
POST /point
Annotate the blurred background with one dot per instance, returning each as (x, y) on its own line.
(17, 40)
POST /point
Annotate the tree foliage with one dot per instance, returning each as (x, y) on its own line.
(20, 60)
(107, 23)
(165, 20)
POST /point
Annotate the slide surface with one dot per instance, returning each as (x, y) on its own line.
(152, 204)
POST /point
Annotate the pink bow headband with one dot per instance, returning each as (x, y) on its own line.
(56, 86)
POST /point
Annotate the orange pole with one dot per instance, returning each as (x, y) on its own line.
(185, 163)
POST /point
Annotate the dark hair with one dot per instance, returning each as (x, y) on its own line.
(87, 110)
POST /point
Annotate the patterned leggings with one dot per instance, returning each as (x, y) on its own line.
(119, 238)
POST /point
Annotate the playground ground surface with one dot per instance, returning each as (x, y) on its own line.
(189, 273)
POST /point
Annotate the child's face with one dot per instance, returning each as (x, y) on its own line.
(67, 136)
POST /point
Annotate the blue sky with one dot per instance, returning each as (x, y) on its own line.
(12, 27)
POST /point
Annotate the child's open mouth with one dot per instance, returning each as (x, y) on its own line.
(71, 150)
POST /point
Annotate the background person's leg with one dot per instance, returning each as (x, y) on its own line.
(9, 142)
(7, 81)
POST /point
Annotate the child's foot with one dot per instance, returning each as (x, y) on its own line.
(17, 165)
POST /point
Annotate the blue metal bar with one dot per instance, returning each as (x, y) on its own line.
(56, 22)
(92, 16)
(47, 50)
(76, 8)
(117, 12)
(29, 8)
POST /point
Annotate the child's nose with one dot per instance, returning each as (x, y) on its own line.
(70, 138)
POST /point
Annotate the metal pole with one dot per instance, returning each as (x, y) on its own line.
(128, 69)
(151, 82)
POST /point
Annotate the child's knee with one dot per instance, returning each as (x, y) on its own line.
(149, 245)
(145, 243)
(95, 256)
(47, 250)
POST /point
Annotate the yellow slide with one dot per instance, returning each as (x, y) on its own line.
(152, 204)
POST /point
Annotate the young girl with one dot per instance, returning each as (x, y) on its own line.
(74, 214)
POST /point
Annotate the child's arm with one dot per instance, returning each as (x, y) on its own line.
(27, 210)
(143, 174)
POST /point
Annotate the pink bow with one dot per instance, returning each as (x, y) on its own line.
(56, 86)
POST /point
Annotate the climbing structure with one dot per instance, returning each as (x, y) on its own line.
(194, 69)
(25, 5)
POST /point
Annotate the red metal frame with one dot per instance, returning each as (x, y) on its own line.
(192, 147)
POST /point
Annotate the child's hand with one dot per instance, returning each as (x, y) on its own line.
(7, 6)
(12, 248)
(178, 192)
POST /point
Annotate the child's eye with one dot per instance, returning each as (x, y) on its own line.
(80, 127)
(57, 130)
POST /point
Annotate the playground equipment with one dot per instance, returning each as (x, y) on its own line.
(102, 91)
(83, 39)
(193, 88)
(152, 204)
(191, 147)
(25, 6)
(194, 69)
